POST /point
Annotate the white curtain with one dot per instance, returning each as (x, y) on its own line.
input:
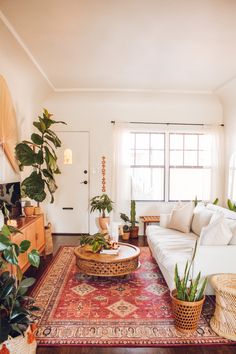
(121, 174)
(216, 135)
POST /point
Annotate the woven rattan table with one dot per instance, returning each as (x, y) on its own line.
(104, 265)
(224, 320)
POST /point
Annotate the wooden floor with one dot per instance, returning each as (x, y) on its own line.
(74, 240)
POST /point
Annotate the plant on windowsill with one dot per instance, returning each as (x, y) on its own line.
(16, 308)
(133, 229)
(103, 204)
(188, 298)
(39, 153)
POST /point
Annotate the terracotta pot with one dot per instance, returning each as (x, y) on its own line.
(29, 210)
(37, 211)
(134, 232)
(187, 314)
(103, 222)
(125, 236)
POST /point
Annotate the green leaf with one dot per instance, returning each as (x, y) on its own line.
(47, 174)
(4, 242)
(54, 139)
(37, 139)
(5, 329)
(25, 154)
(50, 160)
(202, 290)
(34, 258)
(34, 187)
(5, 230)
(27, 282)
(39, 158)
(10, 255)
(38, 126)
(24, 246)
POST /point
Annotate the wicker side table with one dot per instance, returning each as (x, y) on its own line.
(224, 320)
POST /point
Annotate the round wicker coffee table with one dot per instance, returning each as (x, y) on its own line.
(104, 265)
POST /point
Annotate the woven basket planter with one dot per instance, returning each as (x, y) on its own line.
(224, 320)
(187, 314)
(21, 344)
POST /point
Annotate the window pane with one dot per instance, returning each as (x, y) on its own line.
(187, 183)
(204, 142)
(132, 138)
(190, 158)
(157, 157)
(142, 157)
(142, 141)
(157, 141)
(176, 158)
(148, 183)
(176, 141)
(190, 142)
(204, 158)
(132, 157)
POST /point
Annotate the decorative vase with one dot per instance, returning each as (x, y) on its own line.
(21, 344)
(186, 313)
(103, 222)
(134, 232)
(29, 210)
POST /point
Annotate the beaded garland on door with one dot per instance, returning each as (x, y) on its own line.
(103, 174)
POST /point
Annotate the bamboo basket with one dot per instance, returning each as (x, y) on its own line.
(48, 239)
(187, 314)
(223, 321)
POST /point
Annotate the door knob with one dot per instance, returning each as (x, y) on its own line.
(84, 182)
(85, 172)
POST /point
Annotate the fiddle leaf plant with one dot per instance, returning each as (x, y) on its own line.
(39, 153)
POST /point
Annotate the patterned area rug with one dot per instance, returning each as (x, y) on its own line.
(134, 310)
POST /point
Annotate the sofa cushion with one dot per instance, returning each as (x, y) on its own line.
(217, 232)
(201, 218)
(232, 225)
(181, 218)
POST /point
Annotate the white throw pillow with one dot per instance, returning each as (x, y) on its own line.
(201, 218)
(181, 218)
(164, 220)
(232, 225)
(217, 233)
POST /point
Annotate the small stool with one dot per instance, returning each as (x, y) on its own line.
(149, 220)
(224, 320)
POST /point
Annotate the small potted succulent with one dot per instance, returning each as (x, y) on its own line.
(188, 298)
(125, 228)
(103, 204)
(16, 308)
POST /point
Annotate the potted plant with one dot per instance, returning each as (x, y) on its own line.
(28, 208)
(39, 153)
(188, 298)
(16, 317)
(94, 243)
(132, 220)
(103, 204)
(125, 228)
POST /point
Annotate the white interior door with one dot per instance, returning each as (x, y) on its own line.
(70, 211)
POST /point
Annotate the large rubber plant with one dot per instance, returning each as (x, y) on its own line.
(39, 153)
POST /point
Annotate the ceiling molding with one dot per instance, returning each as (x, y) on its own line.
(201, 92)
(25, 48)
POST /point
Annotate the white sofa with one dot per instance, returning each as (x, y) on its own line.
(169, 247)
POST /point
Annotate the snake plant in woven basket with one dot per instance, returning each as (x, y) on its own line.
(188, 289)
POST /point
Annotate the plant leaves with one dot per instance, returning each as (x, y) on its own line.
(25, 154)
(39, 157)
(34, 187)
(34, 258)
(4, 242)
(24, 246)
(26, 283)
(37, 139)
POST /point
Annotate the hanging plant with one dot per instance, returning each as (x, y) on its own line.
(40, 154)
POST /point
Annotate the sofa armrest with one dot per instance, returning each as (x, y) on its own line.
(215, 259)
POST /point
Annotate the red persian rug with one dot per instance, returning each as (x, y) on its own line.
(134, 310)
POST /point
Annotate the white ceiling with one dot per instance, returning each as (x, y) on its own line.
(172, 45)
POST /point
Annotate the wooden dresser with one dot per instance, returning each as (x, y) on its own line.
(32, 229)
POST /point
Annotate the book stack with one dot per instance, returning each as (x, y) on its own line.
(113, 252)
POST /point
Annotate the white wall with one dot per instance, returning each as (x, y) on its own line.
(94, 111)
(227, 95)
(27, 88)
